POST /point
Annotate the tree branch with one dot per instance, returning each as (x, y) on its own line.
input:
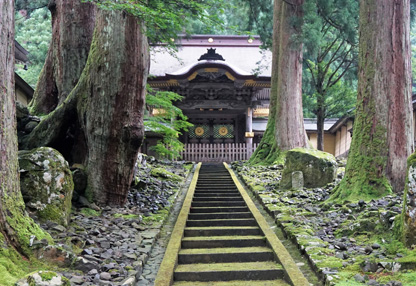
(293, 4)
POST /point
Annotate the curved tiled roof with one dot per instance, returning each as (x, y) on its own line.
(241, 55)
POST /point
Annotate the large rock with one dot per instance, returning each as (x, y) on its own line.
(318, 168)
(46, 184)
(409, 231)
(44, 278)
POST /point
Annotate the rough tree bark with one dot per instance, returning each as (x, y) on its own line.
(72, 29)
(15, 225)
(285, 129)
(104, 112)
(382, 138)
(320, 121)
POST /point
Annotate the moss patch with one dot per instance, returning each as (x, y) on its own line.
(90, 212)
(165, 174)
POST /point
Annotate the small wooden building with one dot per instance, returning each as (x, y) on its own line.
(23, 91)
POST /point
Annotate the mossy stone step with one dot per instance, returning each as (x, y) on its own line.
(224, 255)
(226, 215)
(195, 209)
(222, 231)
(223, 241)
(278, 282)
(218, 204)
(229, 271)
(223, 222)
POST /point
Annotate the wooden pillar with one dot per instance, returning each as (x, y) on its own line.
(249, 125)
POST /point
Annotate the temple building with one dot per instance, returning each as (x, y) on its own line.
(225, 84)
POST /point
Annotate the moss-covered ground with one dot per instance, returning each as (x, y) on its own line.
(339, 240)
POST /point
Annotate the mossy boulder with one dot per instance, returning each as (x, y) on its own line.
(408, 231)
(44, 278)
(318, 168)
(46, 184)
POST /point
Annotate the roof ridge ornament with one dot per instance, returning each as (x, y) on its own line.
(211, 55)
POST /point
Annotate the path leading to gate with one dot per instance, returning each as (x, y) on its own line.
(220, 238)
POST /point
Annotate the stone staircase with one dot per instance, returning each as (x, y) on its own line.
(222, 242)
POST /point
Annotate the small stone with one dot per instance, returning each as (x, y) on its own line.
(87, 251)
(59, 228)
(372, 282)
(105, 244)
(368, 249)
(340, 255)
(129, 281)
(130, 255)
(92, 272)
(77, 280)
(297, 180)
(375, 246)
(105, 276)
(340, 246)
(359, 278)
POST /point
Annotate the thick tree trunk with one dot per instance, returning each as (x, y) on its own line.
(112, 115)
(15, 226)
(72, 29)
(290, 132)
(104, 113)
(285, 129)
(383, 137)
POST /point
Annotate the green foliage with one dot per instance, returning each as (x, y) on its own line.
(413, 45)
(330, 57)
(30, 5)
(167, 120)
(237, 17)
(34, 33)
(336, 100)
(165, 19)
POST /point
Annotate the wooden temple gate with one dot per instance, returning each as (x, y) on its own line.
(227, 152)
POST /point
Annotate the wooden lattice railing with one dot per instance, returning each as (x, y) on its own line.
(226, 152)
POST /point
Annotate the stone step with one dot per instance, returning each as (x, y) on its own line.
(229, 215)
(222, 222)
(216, 179)
(223, 255)
(277, 282)
(223, 241)
(222, 231)
(218, 204)
(195, 209)
(215, 184)
(228, 271)
(211, 190)
(223, 199)
(214, 194)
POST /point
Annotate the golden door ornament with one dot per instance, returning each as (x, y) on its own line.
(223, 131)
(199, 131)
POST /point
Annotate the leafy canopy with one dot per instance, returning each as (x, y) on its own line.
(165, 19)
